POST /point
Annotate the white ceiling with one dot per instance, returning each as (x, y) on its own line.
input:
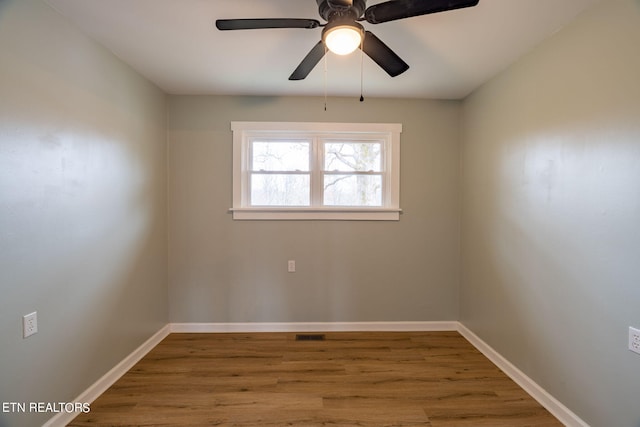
(175, 44)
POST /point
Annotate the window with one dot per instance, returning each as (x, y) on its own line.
(347, 171)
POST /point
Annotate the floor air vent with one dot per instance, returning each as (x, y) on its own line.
(309, 337)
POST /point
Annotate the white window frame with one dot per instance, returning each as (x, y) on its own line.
(388, 133)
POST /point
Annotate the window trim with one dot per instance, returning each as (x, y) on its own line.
(388, 132)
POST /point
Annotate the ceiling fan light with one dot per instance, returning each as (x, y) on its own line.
(343, 39)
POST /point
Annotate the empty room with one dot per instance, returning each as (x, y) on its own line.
(211, 214)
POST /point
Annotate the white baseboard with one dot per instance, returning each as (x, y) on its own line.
(314, 327)
(561, 412)
(108, 379)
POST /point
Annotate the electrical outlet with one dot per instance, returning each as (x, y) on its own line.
(291, 266)
(634, 340)
(29, 324)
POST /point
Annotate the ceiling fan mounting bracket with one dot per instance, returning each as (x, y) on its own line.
(330, 10)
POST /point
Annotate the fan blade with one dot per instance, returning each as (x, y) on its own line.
(256, 24)
(400, 9)
(309, 62)
(382, 54)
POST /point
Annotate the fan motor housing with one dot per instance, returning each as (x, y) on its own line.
(328, 9)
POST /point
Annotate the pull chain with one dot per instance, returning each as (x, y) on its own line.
(362, 68)
(326, 54)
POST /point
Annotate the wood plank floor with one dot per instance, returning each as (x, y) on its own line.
(365, 379)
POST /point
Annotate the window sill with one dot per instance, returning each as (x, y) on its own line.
(329, 214)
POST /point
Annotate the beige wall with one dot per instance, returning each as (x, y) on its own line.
(236, 271)
(551, 214)
(82, 208)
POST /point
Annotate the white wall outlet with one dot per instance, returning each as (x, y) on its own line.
(291, 266)
(634, 340)
(29, 324)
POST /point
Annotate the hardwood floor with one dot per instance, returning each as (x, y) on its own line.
(366, 379)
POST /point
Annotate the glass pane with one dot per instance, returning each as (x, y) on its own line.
(280, 190)
(280, 155)
(352, 156)
(353, 190)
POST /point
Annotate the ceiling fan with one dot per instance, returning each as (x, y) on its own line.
(342, 34)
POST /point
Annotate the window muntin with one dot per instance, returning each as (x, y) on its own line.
(316, 171)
